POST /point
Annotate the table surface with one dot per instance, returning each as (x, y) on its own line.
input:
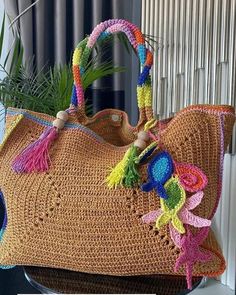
(13, 282)
(56, 281)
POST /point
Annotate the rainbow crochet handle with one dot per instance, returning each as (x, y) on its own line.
(84, 49)
(36, 158)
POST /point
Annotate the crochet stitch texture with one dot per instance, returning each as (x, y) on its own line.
(67, 217)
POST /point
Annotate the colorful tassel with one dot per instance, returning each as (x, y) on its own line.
(35, 158)
(131, 177)
(126, 172)
(117, 174)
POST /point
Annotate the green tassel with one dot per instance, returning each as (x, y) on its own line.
(131, 175)
(125, 173)
(117, 174)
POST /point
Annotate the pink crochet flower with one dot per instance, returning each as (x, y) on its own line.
(192, 178)
(184, 214)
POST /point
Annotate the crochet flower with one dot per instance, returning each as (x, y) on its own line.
(183, 215)
(190, 250)
(191, 177)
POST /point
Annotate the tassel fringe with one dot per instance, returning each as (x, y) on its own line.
(125, 172)
(131, 177)
(35, 158)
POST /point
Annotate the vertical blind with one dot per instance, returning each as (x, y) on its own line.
(195, 53)
(194, 63)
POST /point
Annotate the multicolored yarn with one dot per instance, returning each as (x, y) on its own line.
(191, 252)
(175, 207)
(35, 158)
(191, 177)
(159, 171)
(184, 214)
(171, 184)
(102, 31)
(9, 130)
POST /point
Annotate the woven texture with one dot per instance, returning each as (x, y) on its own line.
(61, 212)
(68, 218)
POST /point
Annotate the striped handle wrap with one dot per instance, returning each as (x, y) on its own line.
(84, 49)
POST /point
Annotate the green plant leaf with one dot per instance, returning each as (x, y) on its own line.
(49, 90)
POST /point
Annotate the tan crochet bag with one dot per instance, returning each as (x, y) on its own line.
(151, 214)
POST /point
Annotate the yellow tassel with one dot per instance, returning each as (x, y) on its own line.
(118, 172)
(125, 173)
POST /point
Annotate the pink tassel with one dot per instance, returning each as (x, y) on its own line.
(35, 157)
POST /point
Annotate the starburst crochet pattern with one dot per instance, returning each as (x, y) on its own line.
(191, 253)
(184, 215)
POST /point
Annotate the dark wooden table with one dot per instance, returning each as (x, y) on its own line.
(57, 281)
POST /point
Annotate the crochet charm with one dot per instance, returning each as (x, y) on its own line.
(184, 215)
(171, 187)
(159, 171)
(191, 177)
(190, 250)
(172, 180)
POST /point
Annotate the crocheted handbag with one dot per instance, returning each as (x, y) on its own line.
(149, 214)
